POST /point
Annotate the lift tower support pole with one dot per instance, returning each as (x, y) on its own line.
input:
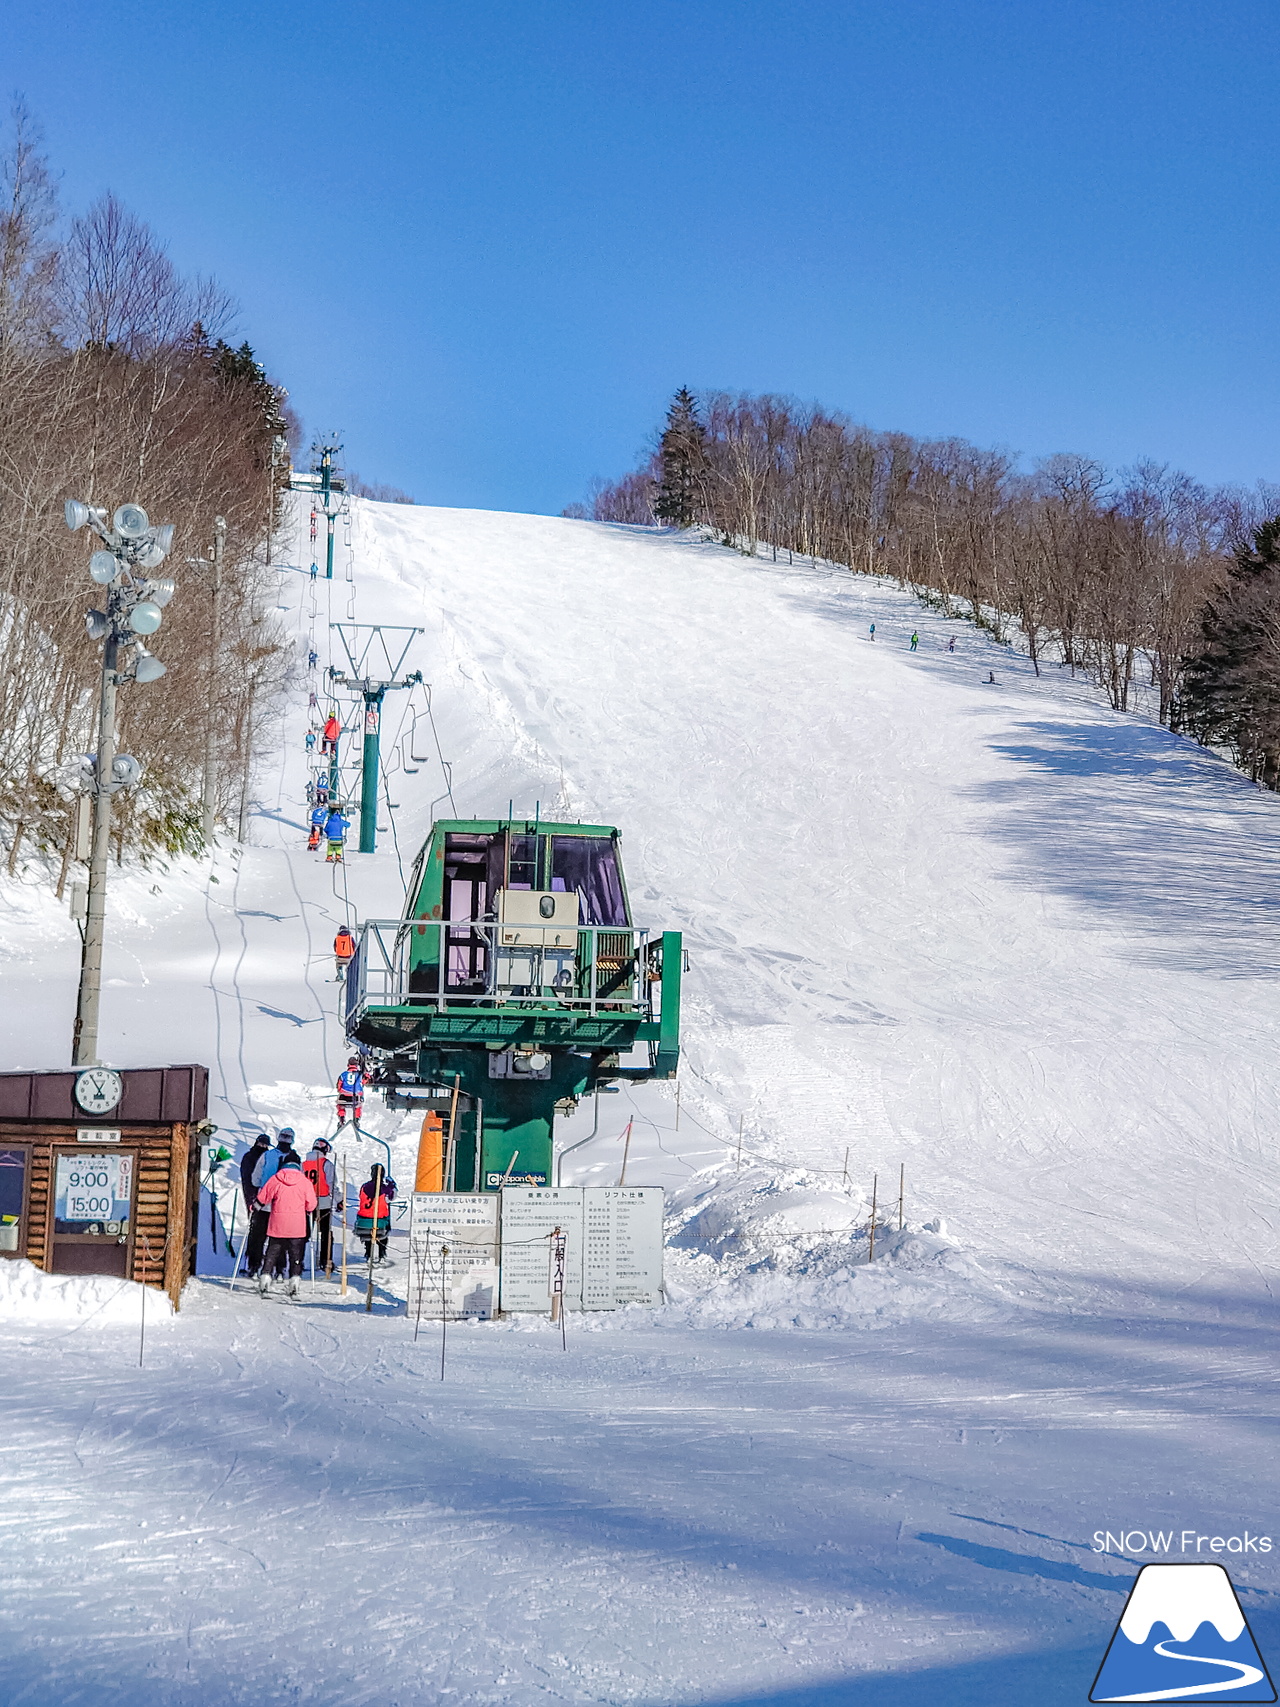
(376, 653)
(369, 770)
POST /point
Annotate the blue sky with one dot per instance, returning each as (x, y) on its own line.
(488, 240)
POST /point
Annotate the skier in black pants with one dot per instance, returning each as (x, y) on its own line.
(256, 1241)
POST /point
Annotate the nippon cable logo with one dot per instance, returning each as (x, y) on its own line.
(1189, 1543)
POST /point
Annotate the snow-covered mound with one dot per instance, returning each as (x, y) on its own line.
(27, 1294)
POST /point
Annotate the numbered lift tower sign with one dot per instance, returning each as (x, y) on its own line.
(453, 1255)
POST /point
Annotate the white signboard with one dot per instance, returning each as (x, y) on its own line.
(530, 1216)
(465, 1225)
(622, 1246)
(94, 1188)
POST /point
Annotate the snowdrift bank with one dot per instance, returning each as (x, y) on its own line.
(27, 1294)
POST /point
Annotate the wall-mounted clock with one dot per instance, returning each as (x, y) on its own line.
(98, 1090)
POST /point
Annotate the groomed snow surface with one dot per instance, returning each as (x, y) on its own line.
(990, 934)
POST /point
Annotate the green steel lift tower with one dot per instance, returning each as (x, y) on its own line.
(517, 974)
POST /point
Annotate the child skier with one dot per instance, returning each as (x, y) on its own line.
(344, 949)
(373, 1220)
(335, 830)
(319, 1169)
(915, 641)
(351, 1083)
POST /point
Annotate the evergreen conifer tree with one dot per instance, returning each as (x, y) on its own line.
(1232, 688)
(682, 455)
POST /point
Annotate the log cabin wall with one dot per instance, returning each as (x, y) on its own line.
(156, 1243)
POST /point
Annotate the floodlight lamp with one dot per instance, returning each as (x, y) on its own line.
(150, 558)
(539, 1062)
(147, 669)
(160, 592)
(76, 513)
(130, 521)
(145, 617)
(96, 625)
(163, 536)
(104, 566)
(126, 770)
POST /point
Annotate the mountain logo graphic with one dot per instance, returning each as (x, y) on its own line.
(1182, 1637)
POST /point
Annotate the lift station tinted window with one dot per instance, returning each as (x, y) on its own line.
(589, 864)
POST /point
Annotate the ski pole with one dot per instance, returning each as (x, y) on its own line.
(244, 1239)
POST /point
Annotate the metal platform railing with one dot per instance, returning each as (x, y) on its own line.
(398, 963)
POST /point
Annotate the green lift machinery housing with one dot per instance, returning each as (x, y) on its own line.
(518, 975)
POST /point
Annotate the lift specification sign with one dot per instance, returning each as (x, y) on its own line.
(453, 1255)
(613, 1246)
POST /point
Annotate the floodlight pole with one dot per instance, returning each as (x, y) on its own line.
(84, 1039)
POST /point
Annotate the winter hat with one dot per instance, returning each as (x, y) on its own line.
(289, 1161)
(286, 1137)
(260, 1140)
(322, 1144)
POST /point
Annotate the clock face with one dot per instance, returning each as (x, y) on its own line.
(98, 1090)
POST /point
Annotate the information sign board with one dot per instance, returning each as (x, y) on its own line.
(466, 1223)
(622, 1246)
(94, 1188)
(530, 1215)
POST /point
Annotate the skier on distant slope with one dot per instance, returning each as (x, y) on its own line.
(915, 641)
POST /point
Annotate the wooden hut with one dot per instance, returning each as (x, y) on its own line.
(99, 1171)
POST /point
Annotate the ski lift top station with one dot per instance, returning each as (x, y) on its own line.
(518, 975)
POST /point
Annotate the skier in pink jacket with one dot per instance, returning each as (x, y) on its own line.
(291, 1198)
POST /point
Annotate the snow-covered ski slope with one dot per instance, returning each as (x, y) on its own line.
(991, 932)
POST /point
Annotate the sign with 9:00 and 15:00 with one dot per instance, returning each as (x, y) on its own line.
(94, 1188)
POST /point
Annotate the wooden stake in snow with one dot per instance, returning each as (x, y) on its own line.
(450, 1163)
(844, 1180)
(444, 1305)
(343, 1289)
(902, 1186)
(871, 1253)
(558, 1243)
(626, 1150)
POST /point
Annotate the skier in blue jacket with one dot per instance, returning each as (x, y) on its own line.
(335, 830)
